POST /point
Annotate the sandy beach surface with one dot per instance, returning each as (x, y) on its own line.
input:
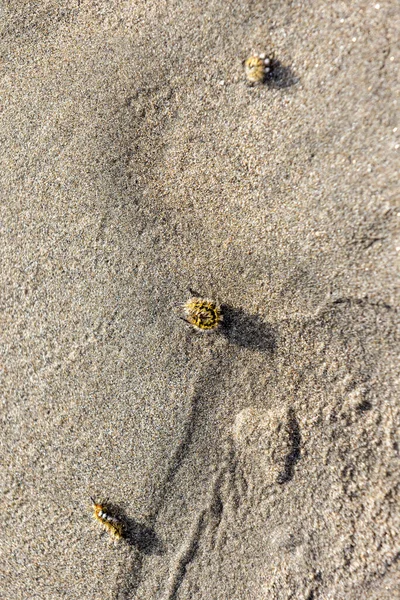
(138, 167)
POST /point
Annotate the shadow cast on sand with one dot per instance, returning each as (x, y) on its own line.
(293, 430)
(142, 537)
(137, 535)
(280, 76)
(144, 541)
(246, 330)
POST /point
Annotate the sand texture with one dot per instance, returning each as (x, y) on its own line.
(257, 462)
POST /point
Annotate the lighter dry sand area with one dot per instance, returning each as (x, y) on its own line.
(137, 167)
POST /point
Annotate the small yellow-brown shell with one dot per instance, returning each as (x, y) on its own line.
(110, 523)
(256, 67)
(203, 314)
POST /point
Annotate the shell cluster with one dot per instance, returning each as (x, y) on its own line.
(203, 314)
(256, 67)
(113, 525)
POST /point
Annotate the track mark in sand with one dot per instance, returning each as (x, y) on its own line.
(293, 431)
(186, 556)
(183, 447)
(217, 506)
(361, 302)
(179, 455)
(267, 446)
(209, 518)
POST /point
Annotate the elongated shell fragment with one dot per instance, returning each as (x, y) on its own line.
(203, 314)
(113, 525)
